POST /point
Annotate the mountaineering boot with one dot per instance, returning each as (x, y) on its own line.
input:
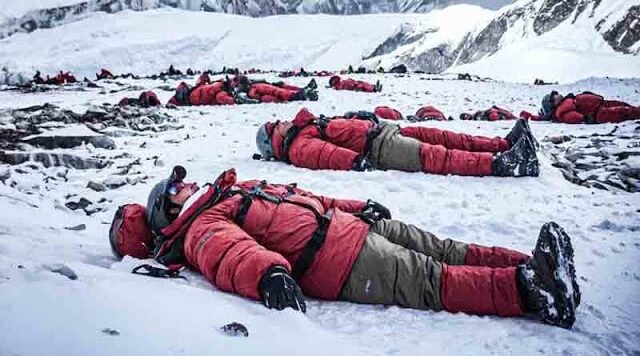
(547, 282)
(378, 87)
(243, 98)
(312, 85)
(310, 94)
(520, 129)
(519, 161)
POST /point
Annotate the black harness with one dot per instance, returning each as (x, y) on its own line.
(322, 122)
(308, 254)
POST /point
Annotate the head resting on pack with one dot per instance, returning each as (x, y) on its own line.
(549, 104)
(264, 141)
(333, 81)
(160, 208)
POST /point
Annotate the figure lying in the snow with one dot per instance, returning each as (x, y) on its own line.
(240, 90)
(492, 114)
(583, 108)
(274, 242)
(59, 79)
(279, 92)
(350, 144)
(337, 83)
(146, 99)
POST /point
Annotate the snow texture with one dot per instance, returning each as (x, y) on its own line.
(109, 311)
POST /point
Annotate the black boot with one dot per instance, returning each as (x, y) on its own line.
(312, 85)
(378, 87)
(520, 129)
(547, 282)
(519, 161)
(310, 94)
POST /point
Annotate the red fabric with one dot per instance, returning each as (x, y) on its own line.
(497, 113)
(430, 113)
(130, 234)
(351, 84)
(480, 290)
(149, 98)
(104, 74)
(211, 94)
(529, 116)
(342, 142)
(437, 159)
(268, 93)
(592, 108)
(453, 140)
(493, 256)
(387, 113)
(234, 258)
(289, 87)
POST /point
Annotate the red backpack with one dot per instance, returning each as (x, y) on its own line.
(130, 234)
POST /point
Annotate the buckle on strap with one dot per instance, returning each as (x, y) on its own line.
(157, 272)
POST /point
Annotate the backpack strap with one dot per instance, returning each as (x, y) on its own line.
(308, 254)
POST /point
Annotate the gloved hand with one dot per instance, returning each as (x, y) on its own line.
(375, 211)
(361, 164)
(279, 290)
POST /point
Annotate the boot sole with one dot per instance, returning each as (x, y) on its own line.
(530, 162)
(559, 296)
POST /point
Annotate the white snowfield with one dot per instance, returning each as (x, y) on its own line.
(43, 313)
(149, 41)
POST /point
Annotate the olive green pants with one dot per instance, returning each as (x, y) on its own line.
(391, 150)
(401, 265)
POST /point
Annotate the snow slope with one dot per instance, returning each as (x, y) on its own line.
(573, 50)
(43, 313)
(142, 42)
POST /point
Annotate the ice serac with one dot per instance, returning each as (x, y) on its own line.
(570, 25)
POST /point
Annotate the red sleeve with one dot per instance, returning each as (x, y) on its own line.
(303, 118)
(229, 257)
(311, 152)
(346, 205)
(567, 113)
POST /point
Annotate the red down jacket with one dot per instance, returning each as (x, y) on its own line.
(211, 94)
(592, 108)
(234, 257)
(268, 93)
(336, 148)
(388, 113)
(351, 84)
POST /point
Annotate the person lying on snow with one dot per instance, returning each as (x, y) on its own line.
(337, 83)
(274, 242)
(146, 99)
(341, 143)
(205, 92)
(583, 108)
(240, 90)
(104, 74)
(279, 92)
(495, 113)
(59, 79)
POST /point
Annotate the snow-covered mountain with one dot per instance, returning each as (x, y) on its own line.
(577, 27)
(27, 16)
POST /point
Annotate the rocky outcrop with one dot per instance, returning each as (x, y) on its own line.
(626, 32)
(527, 19)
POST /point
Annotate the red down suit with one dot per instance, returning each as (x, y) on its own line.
(339, 142)
(234, 255)
(592, 108)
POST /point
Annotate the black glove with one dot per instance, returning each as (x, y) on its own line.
(361, 164)
(375, 211)
(279, 290)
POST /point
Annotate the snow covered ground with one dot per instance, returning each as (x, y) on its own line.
(150, 41)
(43, 313)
